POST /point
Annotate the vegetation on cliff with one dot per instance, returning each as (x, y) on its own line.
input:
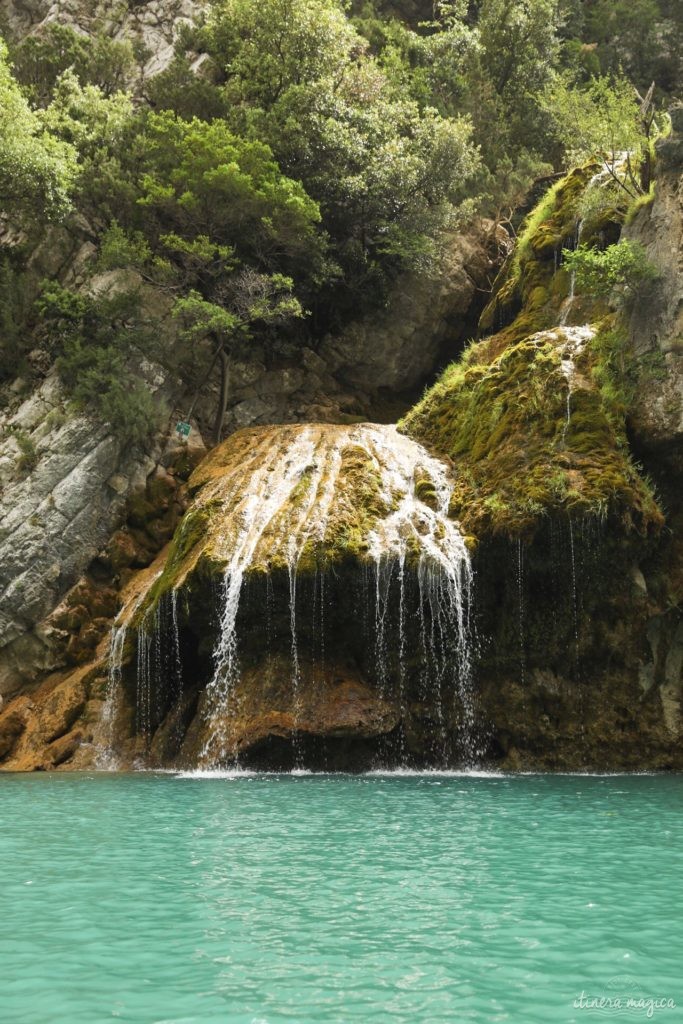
(319, 153)
(534, 415)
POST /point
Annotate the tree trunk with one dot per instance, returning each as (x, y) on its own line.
(222, 400)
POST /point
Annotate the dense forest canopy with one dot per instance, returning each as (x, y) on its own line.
(326, 149)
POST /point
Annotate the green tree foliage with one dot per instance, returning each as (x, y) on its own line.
(621, 272)
(386, 171)
(217, 223)
(267, 48)
(40, 60)
(605, 118)
(179, 89)
(518, 46)
(37, 170)
(95, 339)
(101, 130)
(462, 61)
(250, 299)
(322, 150)
(202, 183)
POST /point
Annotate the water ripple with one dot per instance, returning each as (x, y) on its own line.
(410, 898)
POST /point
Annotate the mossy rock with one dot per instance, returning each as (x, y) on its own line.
(531, 286)
(315, 497)
(502, 418)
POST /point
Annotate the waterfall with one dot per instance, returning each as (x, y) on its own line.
(284, 501)
(444, 573)
(575, 605)
(296, 674)
(569, 301)
(269, 488)
(575, 339)
(106, 758)
(143, 692)
(520, 609)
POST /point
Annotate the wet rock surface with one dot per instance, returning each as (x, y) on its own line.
(657, 325)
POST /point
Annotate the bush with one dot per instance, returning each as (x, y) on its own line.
(96, 338)
(28, 458)
(621, 272)
(39, 60)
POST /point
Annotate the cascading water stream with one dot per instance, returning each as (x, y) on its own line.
(569, 301)
(270, 487)
(296, 672)
(444, 570)
(575, 340)
(106, 758)
(520, 610)
(284, 504)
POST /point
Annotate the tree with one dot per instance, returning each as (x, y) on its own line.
(606, 118)
(249, 298)
(202, 183)
(39, 61)
(621, 272)
(518, 46)
(387, 170)
(98, 341)
(216, 224)
(37, 170)
(100, 129)
(267, 47)
(629, 37)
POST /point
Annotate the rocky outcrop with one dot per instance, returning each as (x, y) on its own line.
(398, 347)
(657, 324)
(338, 596)
(67, 485)
(65, 482)
(314, 591)
(579, 589)
(153, 25)
(64, 488)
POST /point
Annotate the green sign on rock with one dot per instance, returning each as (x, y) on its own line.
(183, 429)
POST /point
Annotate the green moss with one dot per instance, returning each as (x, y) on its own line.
(529, 291)
(191, 533)
(640, 203)
(501, 412)
(425, 489)
(504, 423)
(358, 506)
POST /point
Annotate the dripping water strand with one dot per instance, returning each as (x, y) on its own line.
(296, 671)
(106, 758)
(569, 301)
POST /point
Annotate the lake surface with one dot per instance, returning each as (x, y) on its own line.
(380, 898)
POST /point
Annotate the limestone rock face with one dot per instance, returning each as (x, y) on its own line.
(399, 346)
(657, 325)
(64, 484)
(154, 24)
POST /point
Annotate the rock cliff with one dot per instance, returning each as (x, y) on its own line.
(500, 580)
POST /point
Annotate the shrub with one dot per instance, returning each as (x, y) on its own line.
(39, 60)
(96, 338)
(621, 272)
(28, 457)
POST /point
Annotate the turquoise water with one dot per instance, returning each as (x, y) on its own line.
(311, 899)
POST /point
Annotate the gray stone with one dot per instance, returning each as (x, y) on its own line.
(250, 412)
(397, 347)
(656, 327)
